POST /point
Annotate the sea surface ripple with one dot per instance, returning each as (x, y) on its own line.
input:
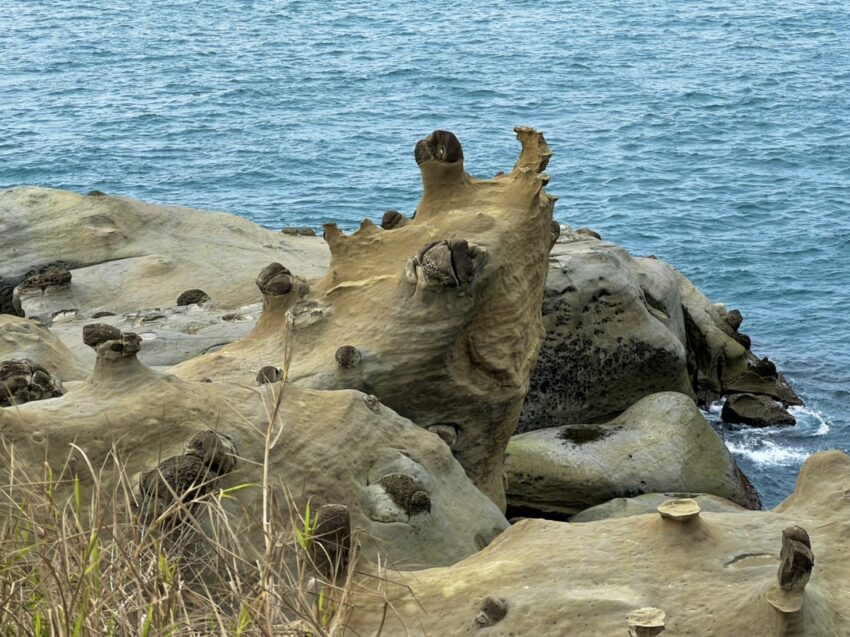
(715, 135)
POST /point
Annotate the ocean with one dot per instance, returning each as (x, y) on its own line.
(715, 135)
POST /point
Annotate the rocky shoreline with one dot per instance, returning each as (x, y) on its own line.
(439, 383)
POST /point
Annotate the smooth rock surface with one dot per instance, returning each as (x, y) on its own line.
(129, 255)
(648, 502)
(661, 443)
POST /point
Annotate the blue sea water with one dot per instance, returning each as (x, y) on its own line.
(715, 135)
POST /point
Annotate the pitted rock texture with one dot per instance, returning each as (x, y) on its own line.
(22, 381)
(614, 334)
(448, 329)
(619, 328)
(712, 577)
(193, 296)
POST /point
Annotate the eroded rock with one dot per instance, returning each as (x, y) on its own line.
(21, 381)
(755, 411)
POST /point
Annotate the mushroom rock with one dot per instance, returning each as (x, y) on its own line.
(150, 253)
(661, 443)
(755, 411)
(21, 381)
(403, 488)
(43, 292)
(444, 310)
(709, 575)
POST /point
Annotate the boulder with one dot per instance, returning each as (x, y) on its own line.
(717, 575)
(756, 411)
(648, 502)
(614, 334)
(620, 327)
(22, 381)
(660, 444)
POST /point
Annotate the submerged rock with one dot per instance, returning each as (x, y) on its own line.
(755, 411)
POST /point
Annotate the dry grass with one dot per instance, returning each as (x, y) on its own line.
(81, 554)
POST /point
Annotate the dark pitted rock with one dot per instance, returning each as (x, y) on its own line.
(734, 318)
(269, 374)
(216, 450)
(588, 232)
(97, 315)
(299, 231)
(441, 146)
(756, 411)
(409, 494)
(274, 280)
(96, 333)
(95, 193)
(347, 356)
(109, 342)
(765, 368)
(331, 544)
(209, 455)
(447, 432)
(796, 559)
(492, 611)
(52, 276)
(392, 219)
(21, 382)
(743, 340)
(447, 263)
(7, 288)
(193, 297)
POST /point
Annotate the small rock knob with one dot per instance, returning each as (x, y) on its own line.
(646, 622)
(681, 510)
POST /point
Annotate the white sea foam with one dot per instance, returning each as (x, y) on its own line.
(765, 452)
(810, 422)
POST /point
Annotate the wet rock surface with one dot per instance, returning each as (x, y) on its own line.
(755, 411)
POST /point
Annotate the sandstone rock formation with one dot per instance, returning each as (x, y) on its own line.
(439, 318)
(21, 338)
(620, 327)
(648, 502)
(661, 443)
(713, 577)
(124, 255)
(400, 483)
